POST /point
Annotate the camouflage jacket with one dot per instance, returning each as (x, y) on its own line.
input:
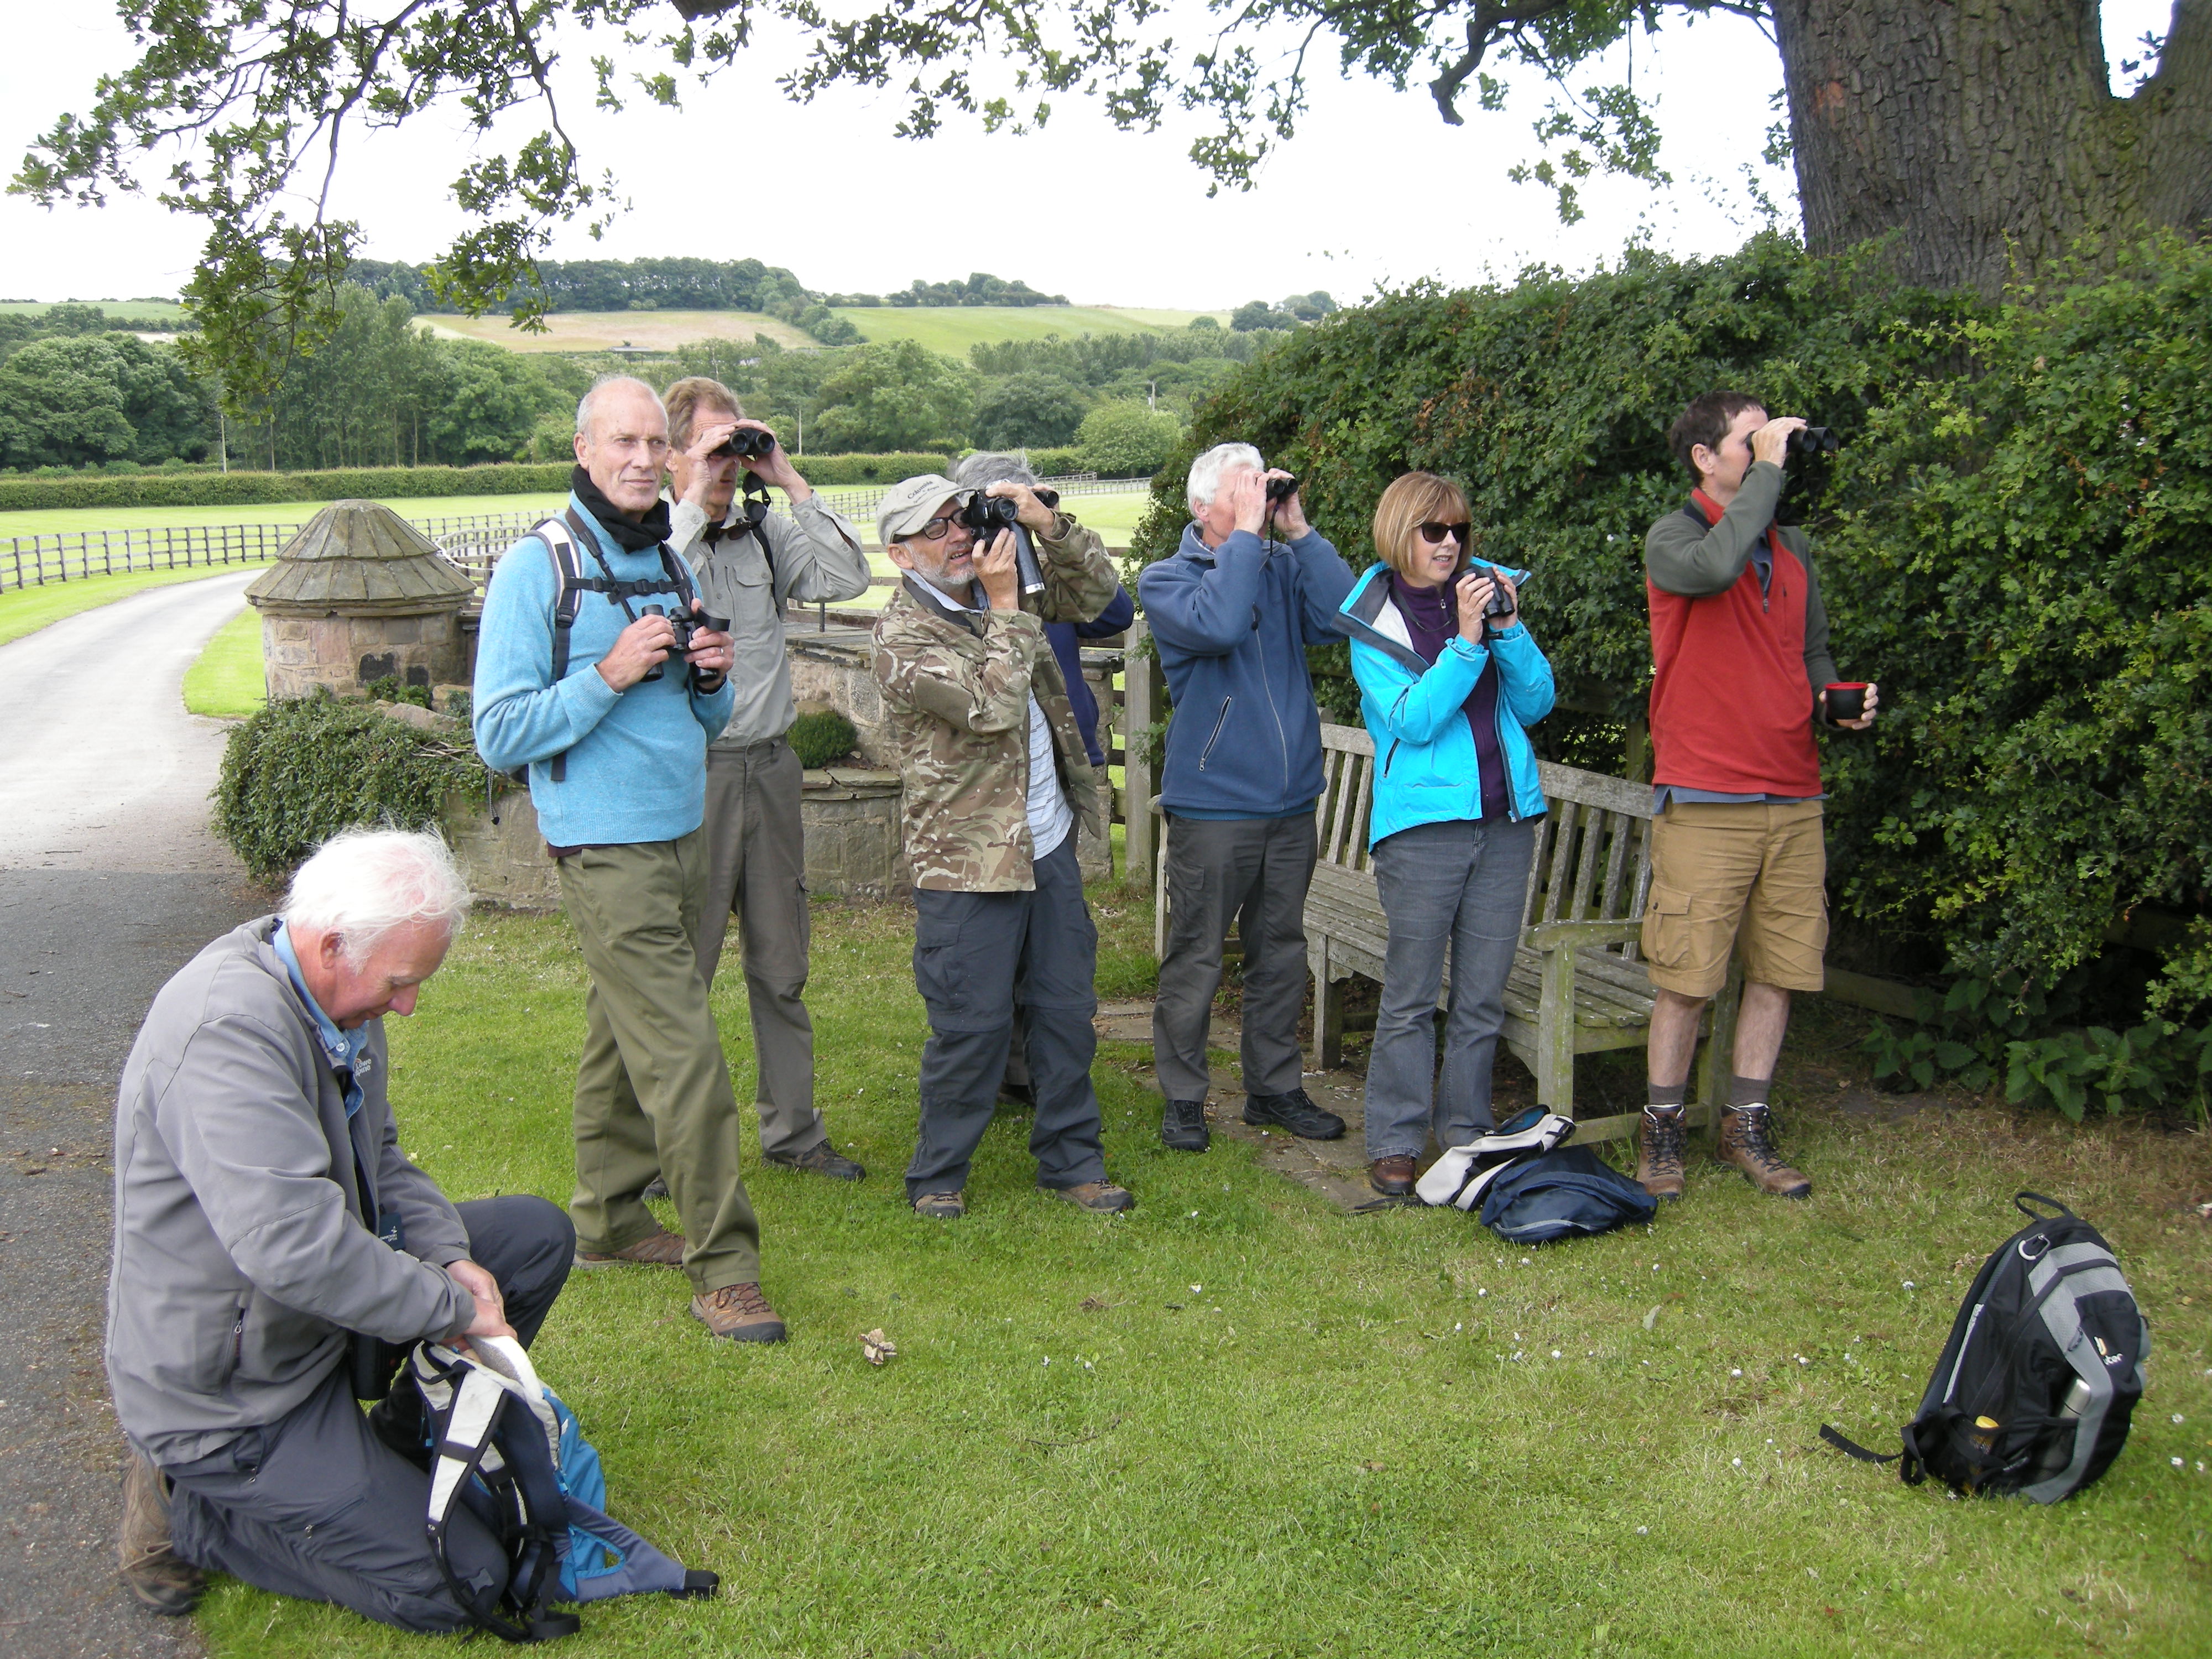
(957, 687)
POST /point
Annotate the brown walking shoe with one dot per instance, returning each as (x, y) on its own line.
(1393, 1178)
(1744, 1142)
(940, 1207)
(738, 1312)
(657, 1249)
(822, 1159)
(152, 1571)
(1659, 1151)
(1099, 1197)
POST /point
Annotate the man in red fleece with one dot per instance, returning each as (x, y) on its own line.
(1740, 657)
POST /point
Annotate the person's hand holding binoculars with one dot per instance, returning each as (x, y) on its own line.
(1037, 517)
(997, 570)
(1477, 590)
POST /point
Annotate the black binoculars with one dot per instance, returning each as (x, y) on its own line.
(748, 443)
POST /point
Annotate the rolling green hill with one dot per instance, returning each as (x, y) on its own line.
(129, 311)
(952, 329)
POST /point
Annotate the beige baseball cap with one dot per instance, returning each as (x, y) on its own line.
(912, 502)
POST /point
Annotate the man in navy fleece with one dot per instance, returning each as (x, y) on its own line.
(613, 723)
(1233, 611)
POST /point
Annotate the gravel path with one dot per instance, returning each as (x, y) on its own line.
(109, 881)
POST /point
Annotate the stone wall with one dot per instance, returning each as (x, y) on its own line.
(838, 669)
(298, 653)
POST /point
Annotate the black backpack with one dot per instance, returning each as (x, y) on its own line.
(2036, 1387)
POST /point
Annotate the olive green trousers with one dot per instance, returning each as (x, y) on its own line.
(652, 1091)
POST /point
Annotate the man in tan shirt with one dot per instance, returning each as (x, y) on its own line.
(749, 565)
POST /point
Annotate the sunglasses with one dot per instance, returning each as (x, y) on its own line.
(1435, 534)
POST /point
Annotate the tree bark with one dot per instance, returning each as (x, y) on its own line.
(1986, 131)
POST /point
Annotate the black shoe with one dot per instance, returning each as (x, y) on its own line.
(1182, 1126)
(1296, 1112)
(822, 1160)
(1018, 1094)
(656, 1188)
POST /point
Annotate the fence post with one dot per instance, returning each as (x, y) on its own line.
(1143, 690)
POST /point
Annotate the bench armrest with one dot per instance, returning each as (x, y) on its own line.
(1551, 936)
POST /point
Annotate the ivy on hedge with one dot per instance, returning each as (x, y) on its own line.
(229, 488)
(306, 768)
(2012, 543)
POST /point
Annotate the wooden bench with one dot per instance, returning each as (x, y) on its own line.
(1577, 985)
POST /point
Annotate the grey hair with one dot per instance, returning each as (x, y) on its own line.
(988, 466)
(1205, 471)
(364, 883)
(588, 403)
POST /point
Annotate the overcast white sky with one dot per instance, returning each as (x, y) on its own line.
(1374, 190)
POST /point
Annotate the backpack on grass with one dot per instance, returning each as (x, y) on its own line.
(2036, 1387)
(1532, 1189)
(502, 1446)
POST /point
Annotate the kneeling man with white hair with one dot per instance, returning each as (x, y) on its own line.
(267, 1224)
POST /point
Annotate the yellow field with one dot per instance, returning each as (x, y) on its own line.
(603, 331)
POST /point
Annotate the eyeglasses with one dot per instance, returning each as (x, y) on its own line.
(1435, 534)
(934, 530)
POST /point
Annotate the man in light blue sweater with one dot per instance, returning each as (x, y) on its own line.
(613, 723)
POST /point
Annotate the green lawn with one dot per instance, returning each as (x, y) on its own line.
(165, 311)
(1240, 1422)
(952, 329)
(228, 681)
(47, 521)
(27, 610)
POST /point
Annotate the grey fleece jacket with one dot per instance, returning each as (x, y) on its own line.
(240, 1257)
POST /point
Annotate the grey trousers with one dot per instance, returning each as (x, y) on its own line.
(1255, 871)
(318, 1506)
(756, 870)
(1462, 885)
(977, 957)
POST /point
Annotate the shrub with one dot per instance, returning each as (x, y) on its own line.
(1056, 463)
(306, 768)
(821, 737)
(2010, 542)
(830, 471)
(1127, 440)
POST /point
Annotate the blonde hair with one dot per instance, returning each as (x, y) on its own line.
(1411, 501)
(687, 398)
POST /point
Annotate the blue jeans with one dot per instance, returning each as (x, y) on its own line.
(1458, 885)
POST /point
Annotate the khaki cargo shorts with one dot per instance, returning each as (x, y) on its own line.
(1730, 875)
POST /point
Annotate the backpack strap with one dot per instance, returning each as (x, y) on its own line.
(1852, 1449)
(2020, 1201)
(569, 596)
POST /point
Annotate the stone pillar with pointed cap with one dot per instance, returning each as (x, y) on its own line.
(360, 594)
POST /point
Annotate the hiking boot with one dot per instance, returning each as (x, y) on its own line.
(1659, 1151)
(1182, 1126)
(1744, 1142)
(822, 1160)
(941, 1207)
(1018, 1095)
(738, 1312)
(1296, 1112)
(1099, 1197)
(1393, 1178)
(656, 1188)
(152, 1571)
(657, 1249)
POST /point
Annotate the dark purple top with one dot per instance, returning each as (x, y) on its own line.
(1432, 616)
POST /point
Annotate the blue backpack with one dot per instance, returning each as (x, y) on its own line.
(1565, 1193)
(503, 1446)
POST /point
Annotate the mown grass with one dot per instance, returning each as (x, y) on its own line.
(1239, 1422)
(25, 611)
(46, 521)
(228, 681)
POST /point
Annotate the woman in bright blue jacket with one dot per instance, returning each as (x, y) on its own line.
(1446, 690)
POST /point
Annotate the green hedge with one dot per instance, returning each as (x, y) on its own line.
(831, 471)
(229, 488)
(2012, 542)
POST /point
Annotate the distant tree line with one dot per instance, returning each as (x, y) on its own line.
(78, 388)
(981, 288)
(636, 285)
(1257, 314)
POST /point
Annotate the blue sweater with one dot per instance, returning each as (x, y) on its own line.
(1233, 623)
(1425, 767)
(637, 759)
(1066, 639)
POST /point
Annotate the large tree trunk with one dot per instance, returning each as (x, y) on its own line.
(1986, 131)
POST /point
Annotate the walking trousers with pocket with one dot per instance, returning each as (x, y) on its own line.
(652, 1091)
(1253, 871)
(977, 957)
(756, 870)
(316, 1505)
